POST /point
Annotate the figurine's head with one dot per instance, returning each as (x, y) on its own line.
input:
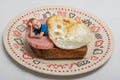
(34, 23)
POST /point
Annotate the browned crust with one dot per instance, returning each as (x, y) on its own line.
(56, 53)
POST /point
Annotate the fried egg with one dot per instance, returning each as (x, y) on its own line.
(67, 33)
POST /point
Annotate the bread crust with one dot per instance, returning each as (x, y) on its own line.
(57, 53)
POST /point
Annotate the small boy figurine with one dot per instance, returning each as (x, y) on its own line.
(37, 30)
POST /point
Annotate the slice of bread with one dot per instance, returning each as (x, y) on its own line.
(57, 53)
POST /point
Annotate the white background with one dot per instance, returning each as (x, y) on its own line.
(107, 10)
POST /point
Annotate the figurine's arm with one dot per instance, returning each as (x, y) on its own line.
(31, 32)
(41, 34)
(38, 35)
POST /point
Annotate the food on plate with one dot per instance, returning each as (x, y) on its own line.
(59, 38)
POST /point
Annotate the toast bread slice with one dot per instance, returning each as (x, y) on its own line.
(57, 53)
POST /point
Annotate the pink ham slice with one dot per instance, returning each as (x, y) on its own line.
(42, 43)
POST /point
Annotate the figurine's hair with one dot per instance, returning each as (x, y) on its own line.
(30, 21)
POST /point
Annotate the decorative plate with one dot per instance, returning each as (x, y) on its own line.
(99, 50)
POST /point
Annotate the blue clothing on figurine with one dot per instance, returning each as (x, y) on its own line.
(43, 28)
